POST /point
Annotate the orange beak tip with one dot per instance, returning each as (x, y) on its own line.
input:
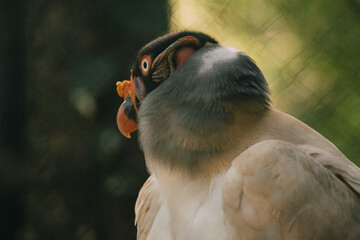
(125, 125)
(127, 135)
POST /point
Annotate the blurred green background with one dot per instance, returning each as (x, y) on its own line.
(65, 170)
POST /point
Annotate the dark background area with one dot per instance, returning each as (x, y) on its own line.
(65, 170)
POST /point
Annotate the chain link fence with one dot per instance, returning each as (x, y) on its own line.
(309, 53)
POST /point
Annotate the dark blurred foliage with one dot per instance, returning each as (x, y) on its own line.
(65, 170)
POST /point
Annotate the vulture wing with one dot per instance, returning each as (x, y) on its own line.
(146, 208)
(275, 190)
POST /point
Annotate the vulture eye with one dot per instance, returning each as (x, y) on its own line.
(145, 65)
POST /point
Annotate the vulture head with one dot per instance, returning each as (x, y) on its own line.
(186, 93)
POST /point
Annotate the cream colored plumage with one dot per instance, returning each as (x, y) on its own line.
(226, 165)
(282, 187)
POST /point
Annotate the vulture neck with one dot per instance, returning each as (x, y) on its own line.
(200, 141)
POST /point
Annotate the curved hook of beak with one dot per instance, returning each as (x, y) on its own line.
(126, 118)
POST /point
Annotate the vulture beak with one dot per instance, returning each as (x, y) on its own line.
(126, 116)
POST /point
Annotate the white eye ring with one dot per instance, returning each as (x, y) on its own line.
(145, 65)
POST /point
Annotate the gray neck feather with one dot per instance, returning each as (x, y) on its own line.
(192, 123)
